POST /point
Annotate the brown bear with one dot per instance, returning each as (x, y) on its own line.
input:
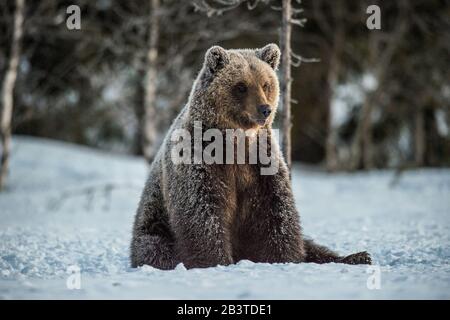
(208, 214)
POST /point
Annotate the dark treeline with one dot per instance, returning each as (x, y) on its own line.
(377, 98)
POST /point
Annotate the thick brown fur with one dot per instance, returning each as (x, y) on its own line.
(206, 215)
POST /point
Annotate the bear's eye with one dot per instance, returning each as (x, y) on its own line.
(266, 87)
(240, 88)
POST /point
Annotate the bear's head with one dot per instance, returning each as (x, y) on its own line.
(238, 88)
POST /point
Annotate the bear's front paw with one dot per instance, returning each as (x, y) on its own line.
(357, 258)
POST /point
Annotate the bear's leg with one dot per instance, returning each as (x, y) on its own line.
(274, 239)
(202, 240)
(269, 230)
(152, 242)
(320, 254)
(199, 221)
(155, 251)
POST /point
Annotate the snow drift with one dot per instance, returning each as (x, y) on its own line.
(69, 207)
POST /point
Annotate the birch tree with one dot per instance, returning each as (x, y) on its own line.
(286, 80)
(149, 126)
(8, 89)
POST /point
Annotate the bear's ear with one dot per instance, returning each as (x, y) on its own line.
(216, 58)
(270, 54)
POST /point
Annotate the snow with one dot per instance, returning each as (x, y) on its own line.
(69, 206)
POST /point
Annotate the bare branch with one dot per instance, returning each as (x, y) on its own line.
(296, 11)
(204, 6)
(224, 5)
(298, 59)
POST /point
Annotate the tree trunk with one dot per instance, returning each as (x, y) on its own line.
(330, 143)
(361, 152)
(286, 80)
(149, 134)
(367, 143)
(334, 66)
(332, 81)
(419, 138)
(8, 89)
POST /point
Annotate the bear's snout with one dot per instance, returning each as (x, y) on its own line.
(265, 110)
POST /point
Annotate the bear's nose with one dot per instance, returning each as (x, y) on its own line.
(265, 110)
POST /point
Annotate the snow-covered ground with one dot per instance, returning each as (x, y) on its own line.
(69, 206)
